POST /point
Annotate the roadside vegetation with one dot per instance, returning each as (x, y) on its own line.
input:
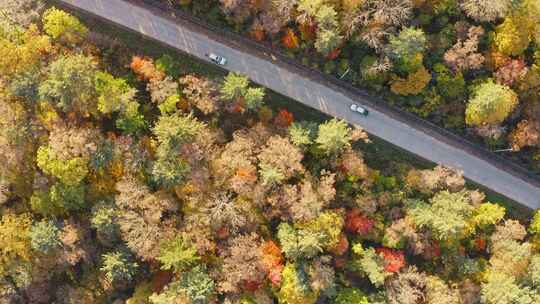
(471, 66)
(128, 178)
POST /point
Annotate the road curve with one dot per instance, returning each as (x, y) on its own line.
(313, 93)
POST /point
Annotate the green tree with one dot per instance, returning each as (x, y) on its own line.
(234, 86)
(167, 64)
(172, 293)
(175, 129)
(308, 10)
(104, 219)
(488, 214)
(334, 136)
(407, 49)
(326, 17)
(449, 85)
(503, 289)
(270, 175)
(446, 216)
(533, 272)
(491, 103)
(44, 237)
(41, 204)
(368, 262)
(169, 169)
(254, 98)
(329, 224)
(177, 255)
(301, 135)
(534, 227)
(69, 172)
(171, 132)
(114, 93)
(168, 106)
(141, 294)
(298, 243)
(131, 121)
(351, 296)
(58, 200)
(25, 85)
(68, 197)
(63, 26)
(118, 267)
(197, 285)
(69, 84)
(327, 41)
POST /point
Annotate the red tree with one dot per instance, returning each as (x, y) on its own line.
(342, 246)
(290, 40)
(145, 69)
(284, 119)
(272, 260)
(394, 260)
(356, 222)
(333, 54)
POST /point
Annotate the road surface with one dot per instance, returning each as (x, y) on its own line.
(313, 93)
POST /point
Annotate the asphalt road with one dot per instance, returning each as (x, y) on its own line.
(312, 93)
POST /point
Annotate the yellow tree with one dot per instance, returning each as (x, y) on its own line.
(21, 52)
(413, 84)
(513, 36)
(63, 26)
(15, 241)
(491, 103)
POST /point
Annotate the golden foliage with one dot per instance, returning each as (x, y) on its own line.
(17, 57)
(513, 36)
(413, 84)
(14, 238)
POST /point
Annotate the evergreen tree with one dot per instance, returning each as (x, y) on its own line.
(118, 266)
(44, 237)
(177, 255)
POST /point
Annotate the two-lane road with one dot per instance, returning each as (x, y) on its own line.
(287, 81)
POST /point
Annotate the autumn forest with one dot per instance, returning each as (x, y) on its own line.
(126, 179)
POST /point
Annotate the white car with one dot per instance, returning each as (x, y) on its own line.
(217, 59)
(359, 109)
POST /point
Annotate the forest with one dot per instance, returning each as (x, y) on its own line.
(470, 66)
(125, 179)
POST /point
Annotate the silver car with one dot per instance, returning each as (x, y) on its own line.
(359, 109)
(217, 59)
